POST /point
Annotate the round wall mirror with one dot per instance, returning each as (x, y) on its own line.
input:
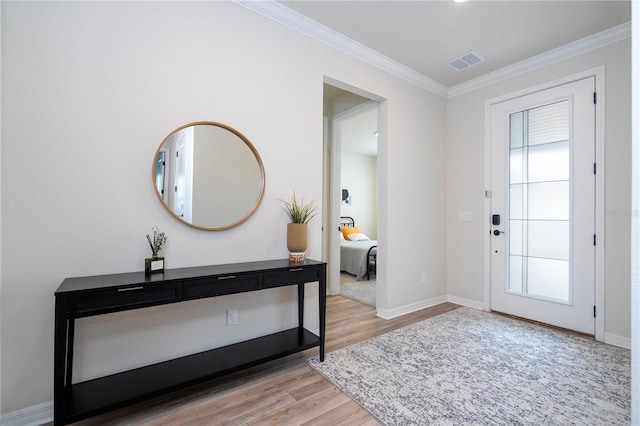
(208, 175)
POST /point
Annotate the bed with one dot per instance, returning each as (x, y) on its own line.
(357, 257)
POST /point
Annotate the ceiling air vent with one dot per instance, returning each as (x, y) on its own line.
(465, 61)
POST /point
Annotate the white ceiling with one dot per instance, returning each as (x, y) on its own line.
(425, 35)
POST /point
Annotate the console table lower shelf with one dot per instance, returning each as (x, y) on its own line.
(107, 393)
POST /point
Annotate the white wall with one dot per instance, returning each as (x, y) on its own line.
(358, 175)
(465, 178)
(415, 170)
(90, 90)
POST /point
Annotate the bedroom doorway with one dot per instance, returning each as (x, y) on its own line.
(543, 204)
(349, 132)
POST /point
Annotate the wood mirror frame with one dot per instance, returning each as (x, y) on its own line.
(208, 176)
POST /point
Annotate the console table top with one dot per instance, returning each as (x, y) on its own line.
(78, 284)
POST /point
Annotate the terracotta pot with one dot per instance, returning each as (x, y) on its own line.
(297, 237)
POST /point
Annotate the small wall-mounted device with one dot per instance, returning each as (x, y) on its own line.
(346, 197)
(495, 219)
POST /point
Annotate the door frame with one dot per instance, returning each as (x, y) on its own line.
(599, 75)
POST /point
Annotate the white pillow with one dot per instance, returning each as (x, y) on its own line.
(341, 236)
(357, 237)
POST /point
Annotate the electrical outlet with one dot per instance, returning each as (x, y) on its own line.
(423, 278)
(232, 317)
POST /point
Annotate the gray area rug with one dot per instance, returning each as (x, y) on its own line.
(360, 291)
(468, 367)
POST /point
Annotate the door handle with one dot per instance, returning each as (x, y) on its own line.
(497, 232)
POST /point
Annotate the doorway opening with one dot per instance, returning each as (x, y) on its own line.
(351, 138)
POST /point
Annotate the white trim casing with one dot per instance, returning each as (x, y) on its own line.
(599, 74)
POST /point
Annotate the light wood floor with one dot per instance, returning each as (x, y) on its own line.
(282, 392)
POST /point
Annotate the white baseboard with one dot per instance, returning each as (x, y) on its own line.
(35, 415)
(412, 307)
(615, 340)
(465, 302)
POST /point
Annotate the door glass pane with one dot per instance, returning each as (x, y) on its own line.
(516, 243)
(515, 273)
(549, 162)
(539, 202)
(548, 278)
(549, 123)
(516, 202)
(516, 129)
(548, 239)
(549, 201)
(517, 170)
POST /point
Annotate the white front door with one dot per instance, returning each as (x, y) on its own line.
(543, 206)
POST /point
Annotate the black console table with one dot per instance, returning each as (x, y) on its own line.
(97, 295)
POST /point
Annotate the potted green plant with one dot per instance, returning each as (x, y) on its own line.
(299, 214)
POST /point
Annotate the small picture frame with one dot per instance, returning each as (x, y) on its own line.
(153, 265)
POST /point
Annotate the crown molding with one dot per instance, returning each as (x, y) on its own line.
(275, 11)
(583, 45)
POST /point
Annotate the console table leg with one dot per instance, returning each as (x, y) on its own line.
(59, 363)
(322, 298)
(71, 327)
(300, 306)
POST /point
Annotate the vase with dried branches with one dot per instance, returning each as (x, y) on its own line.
(155, 263)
